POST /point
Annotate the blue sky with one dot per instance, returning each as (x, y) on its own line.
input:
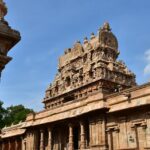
(48, 27)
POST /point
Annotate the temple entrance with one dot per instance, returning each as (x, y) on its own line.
(140, 137)
(76, 136)
(111, 141)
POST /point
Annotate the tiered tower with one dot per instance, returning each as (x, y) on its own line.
(87, 68)
(8, 37)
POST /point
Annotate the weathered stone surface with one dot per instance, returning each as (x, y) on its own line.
(93, 103)
(8, 37)
(89, 67)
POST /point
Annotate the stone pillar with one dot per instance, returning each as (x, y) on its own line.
(9, 145)
(32, 140)
(16, 144)
(104, 136)
(137, 137)
(36, 144)
(71, 137)
(3, 146)
(41, 139)
(28, 141)
(22, 143)
(49, 138)
(82, 135)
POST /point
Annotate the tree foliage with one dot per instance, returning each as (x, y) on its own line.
(3, 113)
(13, 114)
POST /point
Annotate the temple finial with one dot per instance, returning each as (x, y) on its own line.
(92, 35)
(106, 27)
(85, 40)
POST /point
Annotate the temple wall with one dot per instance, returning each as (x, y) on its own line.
(119, 122)
(125, 130)
(129, 130)
(97, 132)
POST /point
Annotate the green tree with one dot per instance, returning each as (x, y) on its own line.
(15, 114)
(3, 113)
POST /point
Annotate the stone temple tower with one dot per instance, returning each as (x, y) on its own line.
(89, 67)
(8, 37)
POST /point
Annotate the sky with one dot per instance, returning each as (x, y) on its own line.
(48, 27)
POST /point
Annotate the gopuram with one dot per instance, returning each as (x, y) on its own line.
(93, 103)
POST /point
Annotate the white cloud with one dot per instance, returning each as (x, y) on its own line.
(147, 58)
(147, 69)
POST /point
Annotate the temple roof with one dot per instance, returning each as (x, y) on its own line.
(13, 130)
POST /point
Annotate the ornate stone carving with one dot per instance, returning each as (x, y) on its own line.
(91, 63)
(8, 37)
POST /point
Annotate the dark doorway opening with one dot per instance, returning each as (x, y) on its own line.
(87, 133)
(111, 141)
(76, 137)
